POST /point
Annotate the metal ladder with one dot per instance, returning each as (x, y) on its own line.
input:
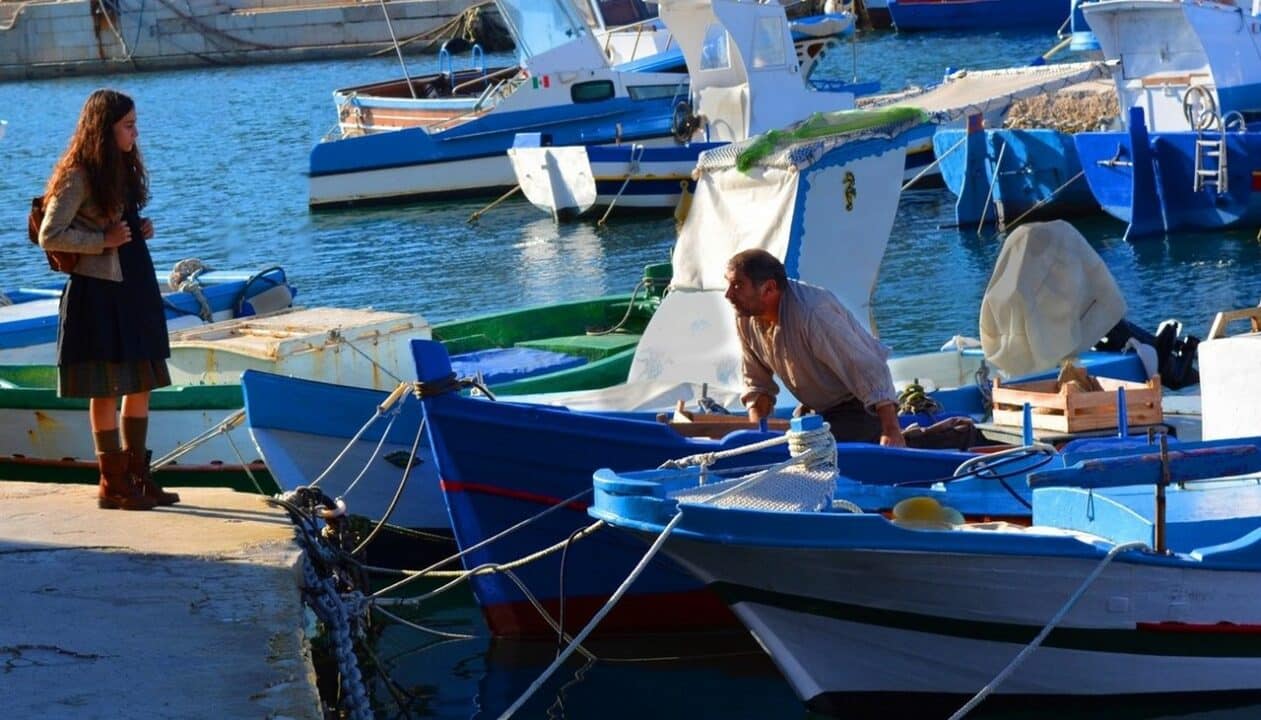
(1210, 157)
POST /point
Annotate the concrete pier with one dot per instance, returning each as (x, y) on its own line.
(48, 38)
(184, 612)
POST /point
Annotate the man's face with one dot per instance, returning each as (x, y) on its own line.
(745, 296)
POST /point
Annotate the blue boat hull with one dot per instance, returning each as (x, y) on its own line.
(487, 137)
(1148, 181)
(1039, 169)
(978, 14)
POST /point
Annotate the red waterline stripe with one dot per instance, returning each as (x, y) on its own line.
(1256, 180)
(536, 498)
(1218, 628)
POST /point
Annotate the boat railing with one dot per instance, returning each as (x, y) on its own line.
(638, 27)
(494, 93)
(446, 65)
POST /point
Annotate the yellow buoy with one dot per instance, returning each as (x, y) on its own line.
(921, 510)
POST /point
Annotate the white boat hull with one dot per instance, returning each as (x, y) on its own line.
(454, 177)
(853, 621)
(60, 434)
(296, 459)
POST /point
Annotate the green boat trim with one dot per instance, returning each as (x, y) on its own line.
(34, 387)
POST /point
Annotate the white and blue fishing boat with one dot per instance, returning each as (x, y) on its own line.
(743, 80)
(1185, 159)
(1137, 578)
(192, 295)
(448, 132)
(974, 15)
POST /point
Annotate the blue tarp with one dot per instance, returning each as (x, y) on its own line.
(500, 365)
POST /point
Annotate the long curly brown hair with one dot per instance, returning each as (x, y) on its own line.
(113, 177)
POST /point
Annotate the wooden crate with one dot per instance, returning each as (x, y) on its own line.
(1071, 409)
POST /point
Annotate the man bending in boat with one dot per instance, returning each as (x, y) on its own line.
(804, 334)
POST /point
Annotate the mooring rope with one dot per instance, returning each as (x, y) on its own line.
(477, 546)
(1046, 630)
(810, 456)
(224, 426)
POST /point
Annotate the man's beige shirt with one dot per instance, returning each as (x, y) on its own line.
(818, 350)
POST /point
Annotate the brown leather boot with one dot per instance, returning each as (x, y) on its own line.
(138, 466)
(119, 490)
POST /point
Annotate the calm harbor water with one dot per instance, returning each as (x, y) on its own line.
(227, 151)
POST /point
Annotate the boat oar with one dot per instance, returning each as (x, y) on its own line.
(477, 215)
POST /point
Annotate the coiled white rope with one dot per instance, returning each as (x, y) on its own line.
(1046, 630)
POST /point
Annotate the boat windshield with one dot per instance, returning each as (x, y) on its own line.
(541, 25)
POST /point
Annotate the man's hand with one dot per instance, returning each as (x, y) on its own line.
(890, 430)
(762, 407)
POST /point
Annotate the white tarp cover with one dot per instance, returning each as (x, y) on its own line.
(1051, 297)
(730, 212)
(691, 339)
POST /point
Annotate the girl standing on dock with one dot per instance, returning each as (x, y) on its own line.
(112, 338)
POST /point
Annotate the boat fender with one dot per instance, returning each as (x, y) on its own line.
(922, 512)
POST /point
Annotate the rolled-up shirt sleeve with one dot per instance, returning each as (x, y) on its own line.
(857, 358)
(758, 378)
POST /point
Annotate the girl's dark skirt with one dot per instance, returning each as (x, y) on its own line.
(112, 340)
(95, 379)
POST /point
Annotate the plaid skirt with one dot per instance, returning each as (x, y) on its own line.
(111, 379)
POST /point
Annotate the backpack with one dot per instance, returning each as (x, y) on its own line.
(58, 260)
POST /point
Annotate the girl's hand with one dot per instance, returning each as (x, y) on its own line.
(117, 234)
(146, 228)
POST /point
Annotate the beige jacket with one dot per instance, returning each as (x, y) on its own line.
(74, 223)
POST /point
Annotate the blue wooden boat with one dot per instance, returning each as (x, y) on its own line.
(1136, 580)
(971, 15)
(28, 315)
(1185, 158)
(1004, 174)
